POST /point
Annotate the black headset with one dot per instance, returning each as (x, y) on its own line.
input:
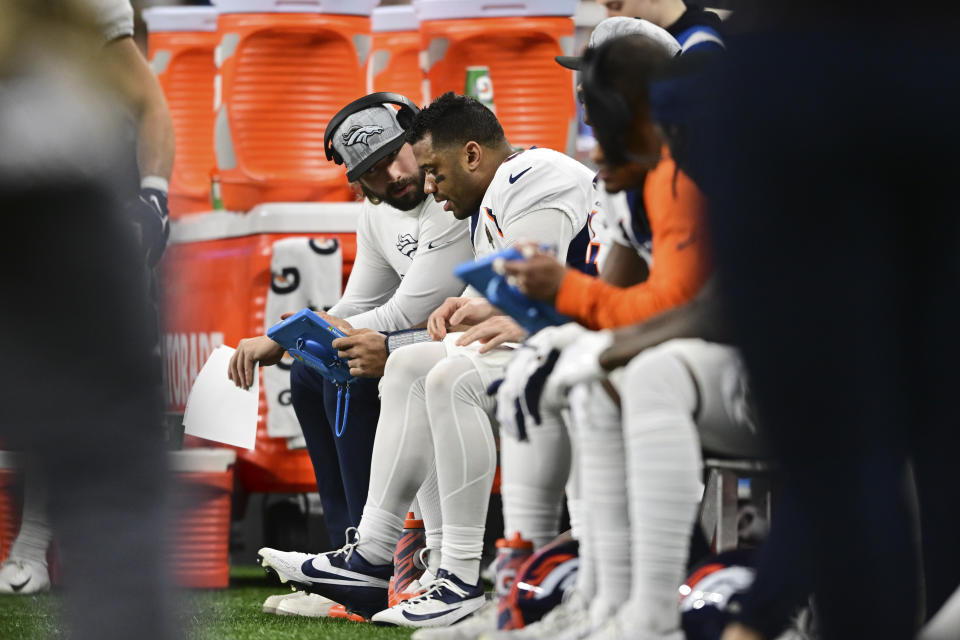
(406, 114)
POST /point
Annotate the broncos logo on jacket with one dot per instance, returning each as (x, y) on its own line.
(406, 244)
(358, 133)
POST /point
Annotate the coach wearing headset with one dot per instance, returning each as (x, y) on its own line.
(407, 247)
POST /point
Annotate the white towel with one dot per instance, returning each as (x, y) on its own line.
(305, 272)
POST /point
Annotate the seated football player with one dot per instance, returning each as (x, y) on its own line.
(407, 247)
(651, 444)
(435, 407)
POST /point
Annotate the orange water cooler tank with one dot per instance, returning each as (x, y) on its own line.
(285, 68)
(395, 61)
(509, 47)
(181, 42)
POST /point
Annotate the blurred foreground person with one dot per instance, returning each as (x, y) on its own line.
(25, 569)
(81, 394)
(838, 241)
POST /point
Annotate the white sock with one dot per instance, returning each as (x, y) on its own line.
(586, 585)
(533, 474)
(402, 450)
(663, 451)
(466, 460)
(34, 536)
(428, 498)
(603, 481)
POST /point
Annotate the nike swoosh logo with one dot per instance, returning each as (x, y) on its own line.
(686, 243)
(346, 578)
(419, 617)
(431, 246)
(514, 178)
(17, 587)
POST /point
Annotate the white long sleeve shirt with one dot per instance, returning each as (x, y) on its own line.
(404, 266)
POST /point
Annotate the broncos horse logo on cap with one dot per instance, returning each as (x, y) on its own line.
(360, 133)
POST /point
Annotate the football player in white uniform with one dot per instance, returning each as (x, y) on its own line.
(25, 569)
(407, 247)
(642, 427)
(437, 413)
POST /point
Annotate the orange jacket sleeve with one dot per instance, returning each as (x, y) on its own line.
(676, 210)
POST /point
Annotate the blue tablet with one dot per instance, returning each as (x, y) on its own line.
(308, 338)
(532, 315)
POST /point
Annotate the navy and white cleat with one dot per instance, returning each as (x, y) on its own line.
(447, 600)
(343, 576)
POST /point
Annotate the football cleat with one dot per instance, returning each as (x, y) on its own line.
(272, 602)
(307, 605)
(24, 576)
(482, 621)
(343, 575)
(448, 600)
(569, 620)
(339, 612)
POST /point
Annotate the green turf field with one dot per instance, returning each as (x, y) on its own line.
(228, 614)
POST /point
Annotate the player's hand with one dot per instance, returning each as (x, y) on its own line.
(339, 323)
(364, 350)
(250, 353)
(539, 276)
(493, 332)
(465, 310)
(736, 631)
(148, 212)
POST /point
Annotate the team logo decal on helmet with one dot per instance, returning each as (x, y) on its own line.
(540, 583)
(358, 133)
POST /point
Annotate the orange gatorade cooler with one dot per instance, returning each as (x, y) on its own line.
(203, 484)
(504, 50)
(285, 68)
(216, 278)
(395, 61)
(10, 490)
(181, 42)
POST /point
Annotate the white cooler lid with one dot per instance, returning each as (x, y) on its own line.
(344, 7)
(160, 19)
(453, 9)
(203, 459)
(281, 217)
(395, 18)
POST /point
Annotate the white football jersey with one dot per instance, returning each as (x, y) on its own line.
(404, 266)
(618, 224)
(530, 181)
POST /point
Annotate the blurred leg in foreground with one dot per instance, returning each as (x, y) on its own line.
(838, 237)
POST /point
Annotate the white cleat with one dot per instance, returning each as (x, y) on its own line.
(272, 602)
(484, 620)
(570, 620)
(24, 577)
(307, 605)
(447, 601)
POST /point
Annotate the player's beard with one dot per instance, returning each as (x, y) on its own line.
(407, 201)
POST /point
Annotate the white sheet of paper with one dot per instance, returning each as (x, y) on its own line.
(219, 410)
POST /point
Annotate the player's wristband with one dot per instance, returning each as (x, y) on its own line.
(155, 182)
(397, 339)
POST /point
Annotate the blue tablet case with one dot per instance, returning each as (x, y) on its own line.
(532, 315)
(308, 338)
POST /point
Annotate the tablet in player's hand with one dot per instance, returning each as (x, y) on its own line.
(309, 338)
(532, 315)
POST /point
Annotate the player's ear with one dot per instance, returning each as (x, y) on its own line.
(472, 154)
